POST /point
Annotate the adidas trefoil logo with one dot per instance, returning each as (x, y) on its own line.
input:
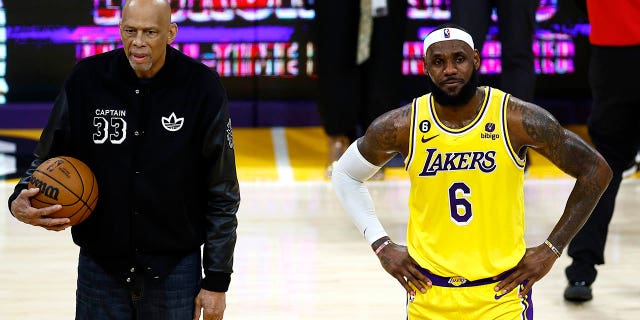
(172, 123)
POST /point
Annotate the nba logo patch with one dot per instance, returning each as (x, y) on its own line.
(447, 33)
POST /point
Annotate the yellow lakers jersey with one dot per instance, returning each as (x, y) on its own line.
(466, 204)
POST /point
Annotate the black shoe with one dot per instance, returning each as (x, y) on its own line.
(578, 291)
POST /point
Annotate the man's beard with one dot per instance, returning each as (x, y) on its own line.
(466, 93)
(140, 67)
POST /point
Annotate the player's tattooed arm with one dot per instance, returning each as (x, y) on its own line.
(536, 128)
(386, 136)
(533, 127)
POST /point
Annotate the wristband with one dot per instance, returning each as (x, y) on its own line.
(384, 244)
(553, 248)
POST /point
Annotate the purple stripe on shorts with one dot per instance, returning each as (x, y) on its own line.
(528, 305)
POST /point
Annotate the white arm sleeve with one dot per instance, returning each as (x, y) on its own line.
(347, 177)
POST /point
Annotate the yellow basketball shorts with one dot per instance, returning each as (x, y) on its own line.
(456, 298)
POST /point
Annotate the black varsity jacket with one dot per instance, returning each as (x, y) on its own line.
(162, 152)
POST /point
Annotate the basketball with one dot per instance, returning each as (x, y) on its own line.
(68, 182)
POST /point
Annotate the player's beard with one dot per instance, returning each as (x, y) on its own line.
(465, 94)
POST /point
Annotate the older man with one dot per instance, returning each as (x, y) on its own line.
(154, 127)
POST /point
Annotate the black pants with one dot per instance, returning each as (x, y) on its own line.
(614, 127)
(516, 27)
(351, 96)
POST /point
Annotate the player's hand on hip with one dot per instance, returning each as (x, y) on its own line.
(21, 208)
(396, 261)
(535, 264)
(213, 304)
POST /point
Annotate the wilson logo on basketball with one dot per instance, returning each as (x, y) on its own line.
(49, 191)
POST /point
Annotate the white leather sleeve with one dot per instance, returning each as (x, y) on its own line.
(348, 177)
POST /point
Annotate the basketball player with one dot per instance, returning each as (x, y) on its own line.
(464, 150)
(154, 127)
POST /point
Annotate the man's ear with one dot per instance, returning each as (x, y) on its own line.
(425, 66)
(173, 31)
(476, 59)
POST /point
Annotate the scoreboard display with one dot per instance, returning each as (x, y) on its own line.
(264, 49)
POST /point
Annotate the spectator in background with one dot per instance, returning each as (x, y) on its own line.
(613, 126)
(355, 89)
(516, 27)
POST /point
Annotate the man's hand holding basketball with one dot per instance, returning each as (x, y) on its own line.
(21, 209)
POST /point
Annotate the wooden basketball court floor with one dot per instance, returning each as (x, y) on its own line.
(298, 255)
